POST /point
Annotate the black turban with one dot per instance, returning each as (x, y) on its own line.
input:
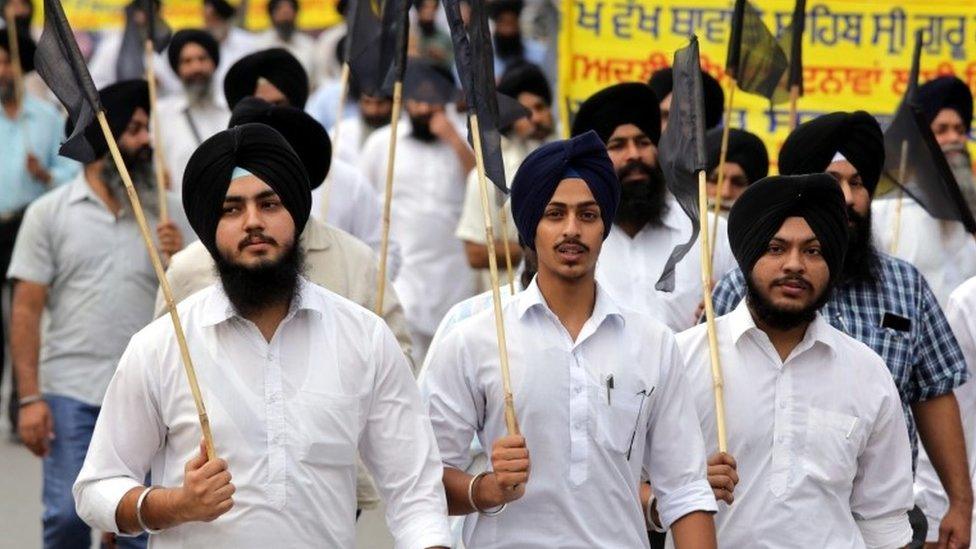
(662, 82)
(222, 8)
(120, 101)
(27, 48)
(629, 103)
(761, 210)
(260, 150)
(528, 78)
(305, 135)
(498, 7)
(428, 82)
(812, 146)
(946, 92)
(535, 182)
(196, 36)
(745, 149)
(275, 65)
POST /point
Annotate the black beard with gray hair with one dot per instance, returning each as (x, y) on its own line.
(957, 155)
(642, 202)
(198, 89)
(253, 289)
(140, 168)
(779, 319)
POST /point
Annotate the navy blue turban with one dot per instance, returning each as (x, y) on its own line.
(584, 156)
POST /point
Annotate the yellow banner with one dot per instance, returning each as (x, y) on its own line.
(856, 53)
(179, 14)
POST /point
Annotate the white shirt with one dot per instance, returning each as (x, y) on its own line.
(583, 489)
(629, 268)
(287, 416)
(929, 494)
(183, 127)
(300, 45)
(352, 136)
(106, 55)
(941, 250)
(428, 190)
(355, 208)
(819, 440)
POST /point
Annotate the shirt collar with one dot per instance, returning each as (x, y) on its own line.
(218, 309)
(605, 306)
(80, 189)
(741, 323)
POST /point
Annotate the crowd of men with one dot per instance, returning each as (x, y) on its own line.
(848, 404)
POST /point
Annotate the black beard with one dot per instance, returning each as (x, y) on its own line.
(253, 289)
(777, 318)
(642, 202)
(143, 177)
(376, 122)
(509, 46)
(285, 30)
(421, 128)
(862, 258)
(8, 91)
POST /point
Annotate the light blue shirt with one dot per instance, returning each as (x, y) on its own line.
(40, 130)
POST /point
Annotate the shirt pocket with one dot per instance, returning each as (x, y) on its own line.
(617, 422)
(328, 428)
(832, 446)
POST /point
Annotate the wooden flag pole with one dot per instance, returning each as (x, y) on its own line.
(388, 195)
(343, 93)
(158, 158)
(511, 422)
(902, 171)
(157, 264)
(720, 184)
(794, 99)
(503, 219)
(717, 383)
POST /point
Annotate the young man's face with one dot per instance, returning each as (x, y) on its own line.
(570, 234)
(195, 64)
(254, 229)
(792, 275)
(627, 145)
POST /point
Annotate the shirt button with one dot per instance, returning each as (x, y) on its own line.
(578, 390)
(782, 405)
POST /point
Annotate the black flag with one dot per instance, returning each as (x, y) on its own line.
(393, 43)
(755, 59)
(792, 41)
(130, 64)
(682, 148)
(364, 29)
(476, 67)
(60, 64)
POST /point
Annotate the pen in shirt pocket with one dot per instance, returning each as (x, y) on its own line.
(609, 382)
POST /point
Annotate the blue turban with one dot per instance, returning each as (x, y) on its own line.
(585, 157)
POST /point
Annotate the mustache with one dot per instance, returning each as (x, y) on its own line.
(634, 167)
(571, 241)
(256, 238)
(798, 279)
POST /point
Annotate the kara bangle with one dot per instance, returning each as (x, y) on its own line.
(142, 523)
(489, 512)
(29, 400)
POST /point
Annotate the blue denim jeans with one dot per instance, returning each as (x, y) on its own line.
(74, 422)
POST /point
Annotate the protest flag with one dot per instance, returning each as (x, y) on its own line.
(363, 28)
(132, 62)
(792, 41)
(61, 66)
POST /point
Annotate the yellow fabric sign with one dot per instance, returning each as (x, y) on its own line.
(856, 53)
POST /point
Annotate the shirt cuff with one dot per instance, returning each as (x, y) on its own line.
(884, 532)
(433, 531)
(98, 501)
(694, 496)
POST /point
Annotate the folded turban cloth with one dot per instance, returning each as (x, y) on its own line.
(812, 146)
(745, 149)
(628, 103)
(305, 135)
(222, 8)
(258, 149)
(120, 101)
(525, 77)
(946, 92)
(195, 36)
(428, 82)
(583, 156)
(275, 65)
(26, 46)
(662, 82)
(760, 211)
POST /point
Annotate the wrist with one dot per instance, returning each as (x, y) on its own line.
(29, 400)
(487, 495)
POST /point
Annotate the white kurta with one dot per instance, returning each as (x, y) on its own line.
(588, 443)
(287, 416)
(942, 251)
(819, 439)
(183, 126)
(300, 45)
(352, 137)
(428, 190)
(102, 64)
(629, 268)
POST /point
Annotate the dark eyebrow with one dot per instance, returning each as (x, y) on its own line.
(810, 240)
(580, 205)
(260, 196)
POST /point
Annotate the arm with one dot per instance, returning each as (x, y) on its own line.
(478, 253)
(695, 530)
(35, 424)
(510, 467)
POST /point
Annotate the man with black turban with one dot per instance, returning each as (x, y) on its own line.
(273, 75)
(584, 370)
(284, 33)
(219, 19)
(947, 103)
(649, 223)
(295, 378)
(884, 302)
(746, 161)
(813, 419)
(510, 47)
(194, 113)
(80, 262)
(662, 83)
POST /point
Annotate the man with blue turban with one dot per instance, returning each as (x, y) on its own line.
(581, 365)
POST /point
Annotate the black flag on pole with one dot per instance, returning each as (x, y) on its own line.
(393, 44)
(476, 67)
(792, 42)
(364, 30)
(62, 67)
(755, 59)
(130, 63)
(682, 148)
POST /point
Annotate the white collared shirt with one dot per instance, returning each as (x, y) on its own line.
(287, 416)
(183, 127)
(629, 267)
(819, 439)
(583, 489)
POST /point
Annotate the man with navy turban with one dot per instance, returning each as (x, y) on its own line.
(598, 388)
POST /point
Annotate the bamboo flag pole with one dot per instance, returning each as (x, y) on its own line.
(794, 99)
(343, 92)
(157, 264)
(503, 219)
(902, 171)
(720, 185)
(511, 422)
(158, 158)
(717, 383)
(388, 195)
